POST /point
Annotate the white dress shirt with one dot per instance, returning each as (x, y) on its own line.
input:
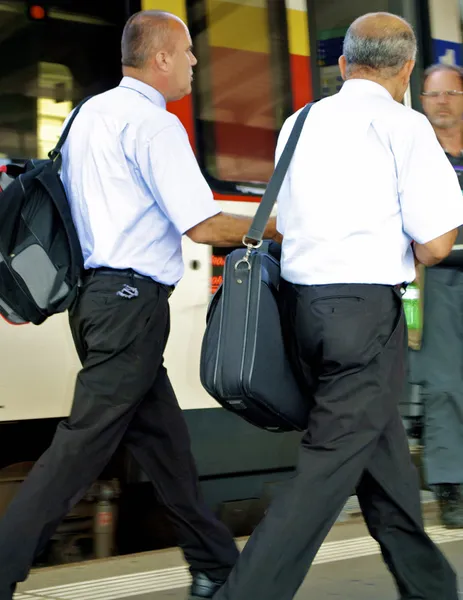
(367, 177)
(133, 182)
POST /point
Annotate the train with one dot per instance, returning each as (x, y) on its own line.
(258, 61)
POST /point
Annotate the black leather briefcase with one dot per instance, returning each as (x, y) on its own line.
(243, 361)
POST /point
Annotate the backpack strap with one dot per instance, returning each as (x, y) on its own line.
(55, 154)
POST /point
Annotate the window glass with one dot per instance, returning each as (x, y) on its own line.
(52, 57)
(242, 90)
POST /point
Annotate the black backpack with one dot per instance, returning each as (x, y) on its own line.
(40, 255)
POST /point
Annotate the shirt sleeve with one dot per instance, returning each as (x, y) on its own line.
(430, 196)
(175, 179)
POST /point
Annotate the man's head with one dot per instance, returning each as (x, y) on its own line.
(156, 48)
(381, 47)
(442, 96)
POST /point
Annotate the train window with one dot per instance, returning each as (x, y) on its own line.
(332, 20)
(53, 54)
(242, 91)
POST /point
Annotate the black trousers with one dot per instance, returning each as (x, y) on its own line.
(348, 343)
(122, 395)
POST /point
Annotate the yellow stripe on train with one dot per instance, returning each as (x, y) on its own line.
(243, 24)
(176, 7)
(238, 26)
(298, 32)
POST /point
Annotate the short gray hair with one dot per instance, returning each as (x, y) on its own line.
(386, 53)
(442, 67)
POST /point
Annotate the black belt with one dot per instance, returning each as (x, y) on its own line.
(130, 273)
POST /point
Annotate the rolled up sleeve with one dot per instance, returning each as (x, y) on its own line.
(430, 197)
(175, 179)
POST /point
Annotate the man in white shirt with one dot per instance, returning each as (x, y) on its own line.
(135, 188)
(352, 229)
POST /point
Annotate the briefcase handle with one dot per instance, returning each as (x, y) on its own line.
(256, 230)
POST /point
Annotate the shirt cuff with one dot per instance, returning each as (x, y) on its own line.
(199, 217)
(436, 231)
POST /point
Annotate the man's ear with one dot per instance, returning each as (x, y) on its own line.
(342, 62)
(162, 60)
(408, 68)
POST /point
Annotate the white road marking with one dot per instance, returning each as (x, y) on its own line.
(124, 586)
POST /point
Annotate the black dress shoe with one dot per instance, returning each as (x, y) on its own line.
(203, 587)
(451, 505)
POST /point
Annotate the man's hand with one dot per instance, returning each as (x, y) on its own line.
(271, 232)
(278, 238)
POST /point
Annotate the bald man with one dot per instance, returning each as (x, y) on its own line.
(135, 189)
(347, 251)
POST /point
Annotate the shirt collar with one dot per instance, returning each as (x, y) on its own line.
(145, 90)
(365, 86)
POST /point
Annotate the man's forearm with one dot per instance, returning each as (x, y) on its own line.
(424, 256)
(436, 250)
(227, 230)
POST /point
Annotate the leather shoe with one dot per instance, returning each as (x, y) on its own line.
(450, 498)
(203, 587)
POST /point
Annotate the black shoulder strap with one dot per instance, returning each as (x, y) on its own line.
(53, 154)
(256, 231)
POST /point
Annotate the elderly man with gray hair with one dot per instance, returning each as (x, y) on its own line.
(352, 232)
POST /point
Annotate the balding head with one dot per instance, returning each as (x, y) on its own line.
(146, 33)
(157, 50)
(379, 42)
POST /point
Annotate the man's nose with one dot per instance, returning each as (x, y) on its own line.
(193, 60)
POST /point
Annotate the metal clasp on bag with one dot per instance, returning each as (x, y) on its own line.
(245, 260)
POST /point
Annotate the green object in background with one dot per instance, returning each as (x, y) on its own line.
(412, 307)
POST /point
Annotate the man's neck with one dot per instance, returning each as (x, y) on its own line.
(450, 139)
(144, 78)
(389, 84)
